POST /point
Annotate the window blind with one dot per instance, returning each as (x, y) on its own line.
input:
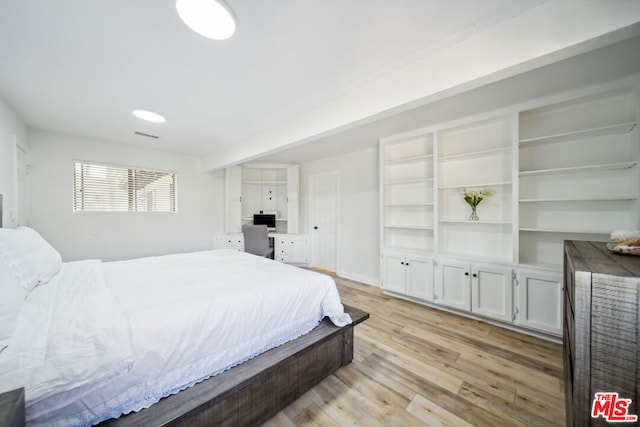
(106, 188)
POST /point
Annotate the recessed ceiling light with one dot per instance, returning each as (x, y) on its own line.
(150, 116)
(209, 18)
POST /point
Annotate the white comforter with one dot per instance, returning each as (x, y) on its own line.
(102, 339)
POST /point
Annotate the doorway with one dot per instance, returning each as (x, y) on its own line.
(323, 210)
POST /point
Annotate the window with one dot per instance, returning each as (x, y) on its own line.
(103, 188)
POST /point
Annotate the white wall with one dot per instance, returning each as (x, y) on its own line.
(358, 239)
(119, 235)
(11, 128)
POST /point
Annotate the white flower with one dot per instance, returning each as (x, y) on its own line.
(474, 197)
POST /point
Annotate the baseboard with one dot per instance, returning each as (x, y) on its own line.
(367, 280)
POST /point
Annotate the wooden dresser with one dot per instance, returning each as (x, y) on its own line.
(12, 408)
(601, 328)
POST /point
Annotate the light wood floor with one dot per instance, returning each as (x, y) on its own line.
(416, 366)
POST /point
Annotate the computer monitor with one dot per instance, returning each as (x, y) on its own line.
(265, 219)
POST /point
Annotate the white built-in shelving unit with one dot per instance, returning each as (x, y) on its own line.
(271, 189)
(407, 193)
(267, 188)
(578, 173)
(562, 167)
(406, 188)
(476, 155)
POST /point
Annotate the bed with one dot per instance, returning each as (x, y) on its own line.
(207, 337)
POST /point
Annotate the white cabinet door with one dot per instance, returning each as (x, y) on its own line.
(269, 198)
(540, 301)
(453, 284)
(233, 199)
(299, 250)
(419, 277)
(393, 272)
(492, 291)
(293, 184)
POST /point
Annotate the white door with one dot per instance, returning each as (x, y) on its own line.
(22, 186)
(453, 281)
(324, 212)
(492, 292)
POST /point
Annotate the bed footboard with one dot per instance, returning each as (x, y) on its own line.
(253, 392)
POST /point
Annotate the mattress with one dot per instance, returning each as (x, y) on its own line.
(103, 339)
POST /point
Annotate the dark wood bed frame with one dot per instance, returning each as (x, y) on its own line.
(253, 392)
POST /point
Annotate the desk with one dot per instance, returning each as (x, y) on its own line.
(288, 248)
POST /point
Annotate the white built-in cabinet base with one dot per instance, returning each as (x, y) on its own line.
(524, 299)
(288, 248)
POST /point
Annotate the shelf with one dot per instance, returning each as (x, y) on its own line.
(410, 227)
(565, 231)
(277, 219)
(600, 199)
(404, 205)
(421, 251)
(583, 133)
(410, 181)
(580, 169)
(408, 160)
(541, 265)
(481, 221)
(265, 182)
(475, 257)
(489, 184)
(474, 154)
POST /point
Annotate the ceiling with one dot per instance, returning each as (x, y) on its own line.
(295, 71)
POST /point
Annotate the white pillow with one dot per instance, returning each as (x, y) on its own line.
(31, 258)
(12, 298)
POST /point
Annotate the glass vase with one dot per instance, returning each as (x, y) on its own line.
(474, 215)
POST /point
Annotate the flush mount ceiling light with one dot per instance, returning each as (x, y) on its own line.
(209, 18)
(150, 116)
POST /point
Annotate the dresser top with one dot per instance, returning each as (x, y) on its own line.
(596, 258)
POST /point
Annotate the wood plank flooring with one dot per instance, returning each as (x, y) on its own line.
(416, 366)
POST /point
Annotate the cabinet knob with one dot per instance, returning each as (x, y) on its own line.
(315, 227)
(475, 275)
(466, 273)
(401, 262)
(406, 263)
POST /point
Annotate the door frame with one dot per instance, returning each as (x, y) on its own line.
(21, 212)
(313, 242)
